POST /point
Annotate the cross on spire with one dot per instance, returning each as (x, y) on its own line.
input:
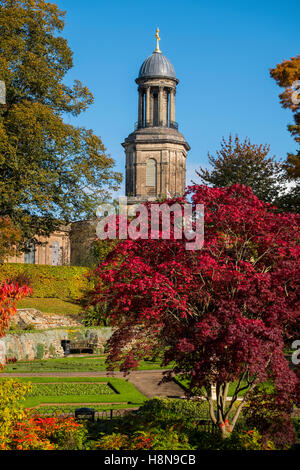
(157, 41)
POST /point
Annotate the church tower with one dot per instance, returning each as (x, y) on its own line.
(155, 152)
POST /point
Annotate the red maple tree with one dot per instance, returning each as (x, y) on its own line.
(224, 315)
(10, 293)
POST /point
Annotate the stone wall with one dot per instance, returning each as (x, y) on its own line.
(97, 336)
(47, 344)
(29, 346)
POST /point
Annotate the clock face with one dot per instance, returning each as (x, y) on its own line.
(2, 92)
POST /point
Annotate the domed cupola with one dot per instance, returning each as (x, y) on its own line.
(157, 88)
(157, 65)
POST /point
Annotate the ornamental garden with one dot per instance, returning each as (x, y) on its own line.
(239, 390)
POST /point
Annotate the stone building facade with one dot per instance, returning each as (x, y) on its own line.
(71, 245)
(155, 152)
(54, 250)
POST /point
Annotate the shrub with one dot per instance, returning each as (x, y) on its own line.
(243, 440)
(26, 435)
(36, 432)
(9, 295)
(64, 433)
(10, 360)
(164, 424)
(160, 424)
(271, 418)
(114, 441)
(22, 278)
(248, 440)
(144, 440)
(40, 349)
(60, 282)
(11, 410)
(95, 315)
(101, 249)
(166, 409)
(296, 426)
(171, 439)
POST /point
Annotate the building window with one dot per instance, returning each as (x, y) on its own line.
(29, 255)
(151, 173)
(55, 253)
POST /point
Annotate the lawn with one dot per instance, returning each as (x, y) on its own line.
(51, 305)
(69, 364)
(57, 393)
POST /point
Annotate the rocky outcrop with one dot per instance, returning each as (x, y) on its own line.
(30, 317)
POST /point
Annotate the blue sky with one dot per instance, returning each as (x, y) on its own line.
(221, 51)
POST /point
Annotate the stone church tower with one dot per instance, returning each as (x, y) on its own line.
(155, 152)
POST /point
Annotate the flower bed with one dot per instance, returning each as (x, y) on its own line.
(59, 389)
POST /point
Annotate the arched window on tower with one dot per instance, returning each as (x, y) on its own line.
(151, 176)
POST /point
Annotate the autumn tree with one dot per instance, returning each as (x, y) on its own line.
(50, 171)
(287, 76)
(10, 293)
(222, 316)
(243, 163)
(10, 238)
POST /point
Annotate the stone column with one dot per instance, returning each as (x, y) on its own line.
(140, 113)
(151, 110)
(172, 107)
(160, 106)
(148, 106)
(133, 176)
(127, 173)
(143, 109)
(167, 113)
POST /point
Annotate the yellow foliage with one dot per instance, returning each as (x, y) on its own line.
(12, 393)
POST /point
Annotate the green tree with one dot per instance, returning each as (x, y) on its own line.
(50, 171)
(243, 163)
(10, 237)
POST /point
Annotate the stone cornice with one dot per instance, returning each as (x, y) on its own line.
(163, 136)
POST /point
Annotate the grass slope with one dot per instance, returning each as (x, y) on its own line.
(51, 305)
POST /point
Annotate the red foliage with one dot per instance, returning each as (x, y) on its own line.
(223, 312)
(10, 293)
(39, 432)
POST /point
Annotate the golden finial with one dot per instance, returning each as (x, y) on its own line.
(157, 41)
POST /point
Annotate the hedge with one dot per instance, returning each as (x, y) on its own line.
(61, 282)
